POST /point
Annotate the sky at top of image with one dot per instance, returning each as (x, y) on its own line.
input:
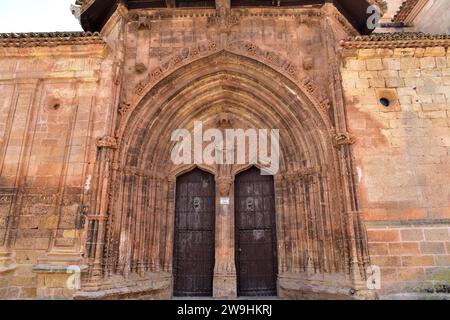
(37, 16)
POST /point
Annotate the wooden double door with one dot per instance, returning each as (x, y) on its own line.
(194, 241)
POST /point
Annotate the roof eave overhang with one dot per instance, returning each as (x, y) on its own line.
(96, 13)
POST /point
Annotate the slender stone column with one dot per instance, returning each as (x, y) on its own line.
(225, 280)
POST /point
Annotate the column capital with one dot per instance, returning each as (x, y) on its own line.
(224, 185)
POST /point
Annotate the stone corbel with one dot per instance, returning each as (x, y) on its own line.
(224, 185)
(342, 139)
(107, 142)
(141, 22)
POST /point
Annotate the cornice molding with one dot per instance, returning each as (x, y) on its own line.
(409, 10)
(396, 40)
(49, 39)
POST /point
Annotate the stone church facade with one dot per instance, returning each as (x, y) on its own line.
(92, 207)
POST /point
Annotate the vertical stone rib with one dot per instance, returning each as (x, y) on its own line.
(170, 225)
(280, 224)
(157, 226)
(296, 225)
(163, 223)
(139, 226)
(149, 225)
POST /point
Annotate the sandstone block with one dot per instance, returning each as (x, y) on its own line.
(404, 248)
(432, 248)
(386, 261)
(417, 261)
(378, 248)
(382, 235)
(412, 234)
(442, 260)
(392, 64)
(407, 274)
(434, 52)
(374, 64)
(427, 63)
(437, 234)
(356, 65)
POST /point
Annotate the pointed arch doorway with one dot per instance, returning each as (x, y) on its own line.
(194, 234)
(256, 246)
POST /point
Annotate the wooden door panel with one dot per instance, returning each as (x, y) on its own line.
(194, 234)
(255, 233)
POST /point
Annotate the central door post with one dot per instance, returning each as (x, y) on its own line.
(225, 281)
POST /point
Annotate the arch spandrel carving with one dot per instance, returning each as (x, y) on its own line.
(268, 59)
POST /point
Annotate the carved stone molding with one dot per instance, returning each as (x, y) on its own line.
(124, 107)
(224, 185)
(223, 19)
(141, 22)
(309, 18)
(224, 120)
(186, 54)
(343, 139)
(107, 142)
(396, 40)
(49, 39)
(307, 171)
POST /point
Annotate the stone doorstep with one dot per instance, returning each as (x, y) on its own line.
(416, 296)
(319, 286)
(130, 290)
